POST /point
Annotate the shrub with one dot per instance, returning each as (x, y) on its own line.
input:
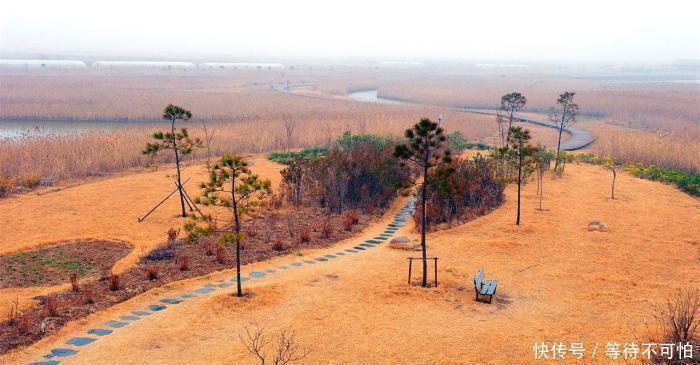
(347, 222)
(209, 249)
(220, 255)
(252, 231)
(468, 189)
(279, 244)
(184, 263)
(87, 296)
(358, 169)
(23, 324)
(270, 227)
(679, 324)
(306, 153)
(113, 282)
(51, 305)
(686, 181)
(304, 234)
(152, 272)
(172, 236)
(31, 181)
(678, 317)
(195, 231)
(74, 282)
(353, 216)
(327, 229)
(14, 313)
(456, 142)
(6, 186)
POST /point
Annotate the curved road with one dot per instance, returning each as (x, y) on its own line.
(578, 137)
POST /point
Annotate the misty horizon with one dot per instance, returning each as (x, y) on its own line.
(510, 31)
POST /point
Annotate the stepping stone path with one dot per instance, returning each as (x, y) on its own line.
(80, 341)
(99, 332)
(398, 222)
(116, 324)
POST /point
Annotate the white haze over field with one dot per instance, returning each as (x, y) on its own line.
(504, 30)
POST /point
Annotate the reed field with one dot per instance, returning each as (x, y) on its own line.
(240, 116)
(650, 123)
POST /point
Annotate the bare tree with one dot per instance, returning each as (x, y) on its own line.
(613, 166)
(287, 351)
(289, 126)
(542, 157)
(564, 114)
(679, 320)
(207, 139)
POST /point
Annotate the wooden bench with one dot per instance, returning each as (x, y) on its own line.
(484, 287)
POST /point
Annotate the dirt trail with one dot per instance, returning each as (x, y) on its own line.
(106, 209)
(558, 282)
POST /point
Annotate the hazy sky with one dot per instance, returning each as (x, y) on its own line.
(499, 30)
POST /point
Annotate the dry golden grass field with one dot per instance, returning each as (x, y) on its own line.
(105, 209)
(557, 281)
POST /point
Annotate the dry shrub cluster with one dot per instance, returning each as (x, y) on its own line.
(464, 190)
(359, 171)
(678, 320)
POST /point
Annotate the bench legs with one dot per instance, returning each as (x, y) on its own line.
(490, 297)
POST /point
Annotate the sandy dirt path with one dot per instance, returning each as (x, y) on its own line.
(558, 282)
(106, 209)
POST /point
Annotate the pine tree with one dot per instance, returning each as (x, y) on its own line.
(178, 140)
(233, 185)
(425, 148)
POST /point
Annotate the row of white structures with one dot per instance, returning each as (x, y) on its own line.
(72, 64)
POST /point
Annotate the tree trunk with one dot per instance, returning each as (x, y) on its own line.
(613, 183)
(177, 167)
(424, 220)
(541, 188)
(561, 129)
(510, 123)
(237, 231)
(520, 168)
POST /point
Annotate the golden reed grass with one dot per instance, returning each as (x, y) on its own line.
(636, 146)
(242, 116)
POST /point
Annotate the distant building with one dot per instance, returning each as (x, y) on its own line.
(239, 66)
(163, 65)
(39, 64)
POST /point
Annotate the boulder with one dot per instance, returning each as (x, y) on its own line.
(597, 226)
(400, 239)
(404, 243)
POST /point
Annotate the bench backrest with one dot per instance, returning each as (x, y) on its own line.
(478, 279)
